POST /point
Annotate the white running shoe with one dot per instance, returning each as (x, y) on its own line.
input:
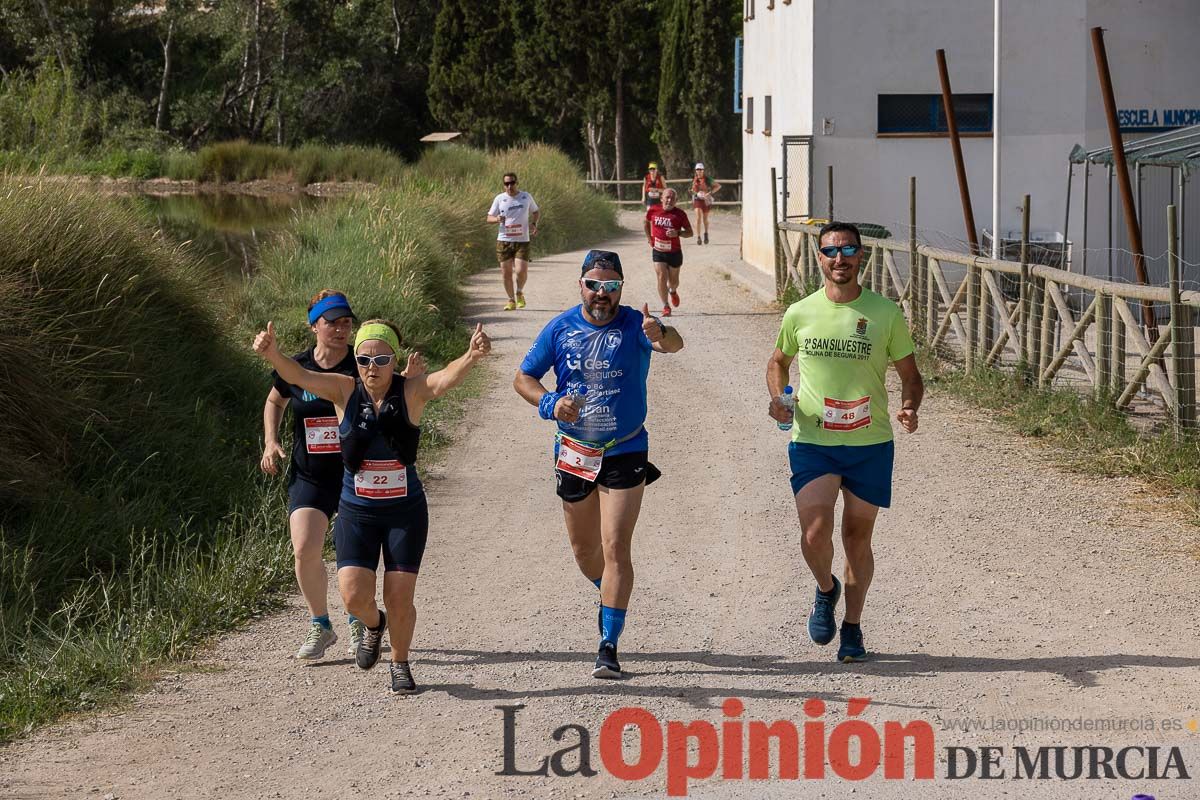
(356, 632)
(319, 640)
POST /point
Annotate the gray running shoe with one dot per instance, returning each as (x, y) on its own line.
(369, 648)
(402, 679)
(319, 640)
(356, 632)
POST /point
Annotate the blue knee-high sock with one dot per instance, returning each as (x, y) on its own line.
(597, 582)
(323, 621)
(612, 622)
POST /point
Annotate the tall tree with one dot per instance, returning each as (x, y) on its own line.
(675, 71)
(712, 127)
(474, 85)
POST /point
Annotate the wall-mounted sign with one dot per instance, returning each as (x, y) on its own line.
(1161, 119)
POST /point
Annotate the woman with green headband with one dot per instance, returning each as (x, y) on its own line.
(315, 465)
(382, 509)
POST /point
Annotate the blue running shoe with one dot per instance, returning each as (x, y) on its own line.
(821, 626)
(851, 649)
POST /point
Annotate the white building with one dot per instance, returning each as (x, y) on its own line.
(860, 78)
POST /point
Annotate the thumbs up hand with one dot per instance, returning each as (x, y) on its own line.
(650, 325)
(265, 343)
(480, 345)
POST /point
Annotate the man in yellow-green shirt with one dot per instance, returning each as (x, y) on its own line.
(842, 339)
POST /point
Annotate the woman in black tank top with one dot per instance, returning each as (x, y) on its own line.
(385, 512)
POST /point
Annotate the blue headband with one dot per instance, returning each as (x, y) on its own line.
(334, 301)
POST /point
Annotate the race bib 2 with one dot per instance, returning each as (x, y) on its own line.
(579, 459)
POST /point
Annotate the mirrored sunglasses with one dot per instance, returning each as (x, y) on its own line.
(847, 250)
(609, 287)
(379, 361)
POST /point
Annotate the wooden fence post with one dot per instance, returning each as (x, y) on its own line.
(987, 328)
(930, 295)
(1046, 331)
(1104, 315)
(1183, 339)
(1037, 291)
(1117, 350)
(972, 328)
(803, 263)
(916, 291)
(776, 233)
(1023, 319)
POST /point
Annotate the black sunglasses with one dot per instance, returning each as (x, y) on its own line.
(847, 250)
(510, 183)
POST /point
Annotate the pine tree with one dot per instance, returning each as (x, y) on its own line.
(671, 129)
(474, 83)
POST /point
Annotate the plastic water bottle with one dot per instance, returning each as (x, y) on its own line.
(578, 396)
(788, 400)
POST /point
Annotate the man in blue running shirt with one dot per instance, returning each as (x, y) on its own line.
(600, 353)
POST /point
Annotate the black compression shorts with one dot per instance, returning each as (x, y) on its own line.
(616, 472)
(670, 259)
(360, 536)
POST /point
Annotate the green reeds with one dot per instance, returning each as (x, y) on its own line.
(133, 518)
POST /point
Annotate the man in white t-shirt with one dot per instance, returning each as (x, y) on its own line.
(517, 213)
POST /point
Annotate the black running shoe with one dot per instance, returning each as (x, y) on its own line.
(367, 654)
(706, 237)
(402, 679)
(607, 665)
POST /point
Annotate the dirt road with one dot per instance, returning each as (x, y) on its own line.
(1004, 589)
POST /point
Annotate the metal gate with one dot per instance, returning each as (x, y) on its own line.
(796, 191)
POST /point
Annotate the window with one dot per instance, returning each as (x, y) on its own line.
(737, 75)
(767, 115)
(749, 115)
(924, 113)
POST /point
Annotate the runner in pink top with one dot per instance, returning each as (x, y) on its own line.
(664, 227)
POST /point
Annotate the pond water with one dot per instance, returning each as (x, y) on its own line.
(226, 231)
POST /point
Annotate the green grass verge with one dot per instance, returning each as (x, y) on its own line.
(1088, 436)
(224, 162)
(135, 523)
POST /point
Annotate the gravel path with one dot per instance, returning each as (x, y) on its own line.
(1004, 588)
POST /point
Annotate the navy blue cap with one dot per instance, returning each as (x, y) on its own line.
(602, 259)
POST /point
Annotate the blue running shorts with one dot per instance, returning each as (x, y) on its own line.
(866, 470)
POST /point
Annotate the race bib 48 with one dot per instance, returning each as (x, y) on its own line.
(847, 415)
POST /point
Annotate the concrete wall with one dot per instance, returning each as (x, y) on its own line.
(1050, 102)
(778, 62)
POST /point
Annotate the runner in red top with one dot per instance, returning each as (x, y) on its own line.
(664, 226)
(652, 187)
(703, 189)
